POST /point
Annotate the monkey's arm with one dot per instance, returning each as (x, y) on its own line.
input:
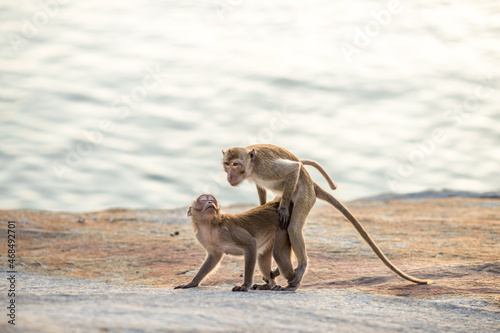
(210, 262)
(262, 194)
(291, 172)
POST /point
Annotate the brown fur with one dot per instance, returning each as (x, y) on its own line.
(251, 233)
(275, 168)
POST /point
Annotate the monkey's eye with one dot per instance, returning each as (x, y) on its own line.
(227, 163)
(235, 164)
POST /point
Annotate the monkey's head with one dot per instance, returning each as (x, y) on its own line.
(204, 208)
(237, 163)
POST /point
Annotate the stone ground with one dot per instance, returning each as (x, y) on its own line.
(114, 271)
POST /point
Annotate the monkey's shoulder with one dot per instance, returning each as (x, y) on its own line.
(270, 173)
(272, 184)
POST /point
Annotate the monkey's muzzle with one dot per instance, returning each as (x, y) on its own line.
(210, 205)
(234, 183)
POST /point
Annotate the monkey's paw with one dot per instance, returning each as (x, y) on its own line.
(287, 288)
(274, 273)
(186, 286)
(265, 286)
(240, 288)
(284, 215)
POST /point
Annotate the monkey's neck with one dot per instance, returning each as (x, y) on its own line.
(207, 232)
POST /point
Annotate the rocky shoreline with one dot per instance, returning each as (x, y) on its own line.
(96, 268)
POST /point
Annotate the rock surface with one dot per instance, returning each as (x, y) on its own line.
(114, 271)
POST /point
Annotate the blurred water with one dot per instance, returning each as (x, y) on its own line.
(129, 103)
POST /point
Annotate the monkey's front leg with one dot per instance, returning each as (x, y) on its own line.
(291, 181)
(262, 192)
(250, 251)
(210, 262)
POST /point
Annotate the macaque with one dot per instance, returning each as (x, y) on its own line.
(275, 168)
(251, 234)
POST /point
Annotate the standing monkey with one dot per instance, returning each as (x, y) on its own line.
(250, 233)
(275, 168)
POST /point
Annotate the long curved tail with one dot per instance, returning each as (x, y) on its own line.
(323, 195)
(318, 167)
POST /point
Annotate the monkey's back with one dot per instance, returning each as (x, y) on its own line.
(259, 219)
(268, 151)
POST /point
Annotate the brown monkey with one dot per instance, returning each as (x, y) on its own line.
(250, 233)
(275, 168)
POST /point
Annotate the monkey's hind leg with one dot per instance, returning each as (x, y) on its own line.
(283, 256)
(264, 262)
(295, 234)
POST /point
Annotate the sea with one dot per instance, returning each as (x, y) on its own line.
(130, 103)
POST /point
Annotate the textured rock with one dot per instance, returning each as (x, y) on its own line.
(115, 271)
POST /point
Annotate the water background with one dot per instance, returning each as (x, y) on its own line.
(129, 103)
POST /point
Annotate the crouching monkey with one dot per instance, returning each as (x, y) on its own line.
(251, 234)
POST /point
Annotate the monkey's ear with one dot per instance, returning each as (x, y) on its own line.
(223, 152)
(189, 212)
(252, 154)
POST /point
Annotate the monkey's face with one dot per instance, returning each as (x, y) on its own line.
(235, 170)
(206, 205)
(236, 162)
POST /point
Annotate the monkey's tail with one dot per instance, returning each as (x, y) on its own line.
(323, 195)
(325, 174)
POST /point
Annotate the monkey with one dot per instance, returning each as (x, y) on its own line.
(275, 168)
(251, 234)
